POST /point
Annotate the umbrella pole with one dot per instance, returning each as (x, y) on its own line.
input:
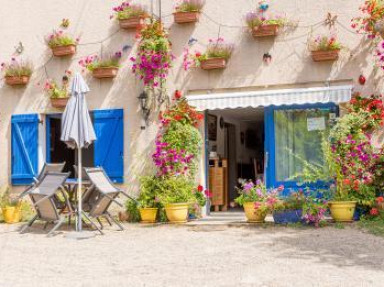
(79, 190)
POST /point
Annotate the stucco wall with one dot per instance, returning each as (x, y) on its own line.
(28, 21)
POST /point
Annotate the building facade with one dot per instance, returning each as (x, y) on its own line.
(249, 101)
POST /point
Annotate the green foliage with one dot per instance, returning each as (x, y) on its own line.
(17, 69)
(176, 189)
(190, 6)
(62, 40)
(6, 200)
(132, 210)
(131, 12)
(294, 201)
(148, 190)
(374, 225)
(110, 62)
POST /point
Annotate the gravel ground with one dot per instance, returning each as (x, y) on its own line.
(168, 255)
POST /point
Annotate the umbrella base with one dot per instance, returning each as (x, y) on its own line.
(79, 235)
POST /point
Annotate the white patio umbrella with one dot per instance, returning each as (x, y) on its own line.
(77, 130)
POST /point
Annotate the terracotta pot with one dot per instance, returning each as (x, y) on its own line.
(132, 23)
(59, 103)
(213, 63)
(186, 17)
(16, 80)
(265, 30)
(177, 212)
(101, 73)
(253, 215)
(321, 56)
(62, 51)
(342, 211)
(148, 215)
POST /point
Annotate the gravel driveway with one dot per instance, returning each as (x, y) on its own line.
(194, 256)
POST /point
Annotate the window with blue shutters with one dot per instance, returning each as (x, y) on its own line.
(109, 145)
(24, 148)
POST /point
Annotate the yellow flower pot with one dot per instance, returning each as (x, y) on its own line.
(342, 211)
(11, 214)
(254, 215)
(148, 215)
(177, 212)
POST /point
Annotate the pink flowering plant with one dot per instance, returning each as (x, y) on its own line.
(217, 48)
(60, 38)
(56, 91)
(257, 193)
(17, 68)
(127, 10)
(325, 43)
(314, 210)
(154, 58)
(258, 18)
(93, 62)
(189, 5)
(372, 13)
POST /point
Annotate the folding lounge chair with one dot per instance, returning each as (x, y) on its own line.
(100, 195)
(43, 199)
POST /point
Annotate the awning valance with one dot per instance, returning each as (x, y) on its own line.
(254, 99)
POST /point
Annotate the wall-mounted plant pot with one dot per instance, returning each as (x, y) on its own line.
(59, 103)
(131, 23)
(321, 56)
(16, 80)
(186, 17)
(63, 51)
(265, 31)
(103, 73)
(213, 63)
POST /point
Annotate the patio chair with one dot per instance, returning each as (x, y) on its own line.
(42, 195)
(98, 198)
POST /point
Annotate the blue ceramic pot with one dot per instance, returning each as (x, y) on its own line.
(287, 216)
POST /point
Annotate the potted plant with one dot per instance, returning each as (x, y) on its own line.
(58, 95)
(188, 11)
(104, 67)
(61, 43)
(176, 194)
(130, 16)
(147, 201)
(256, 200)
(289, 209)
(201, 197)
(16, 72)
(314, 210)
(216, 56)
(324, 48)
(11, 208)
(262, 26)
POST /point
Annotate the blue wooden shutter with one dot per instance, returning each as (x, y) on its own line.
(24, 145)
(109, 145)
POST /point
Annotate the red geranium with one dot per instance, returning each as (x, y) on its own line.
(374, 212)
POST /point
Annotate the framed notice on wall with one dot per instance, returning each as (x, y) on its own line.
(212, 127)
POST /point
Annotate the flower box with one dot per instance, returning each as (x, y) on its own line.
(321, 56)
(62, 51)
(131, 23)
(287, 216)
(59, 103)
(213, 63)
(186, 17)
(16, 80)
(265, 30)
(102, 73)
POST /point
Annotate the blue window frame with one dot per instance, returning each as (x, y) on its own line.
(273, 170)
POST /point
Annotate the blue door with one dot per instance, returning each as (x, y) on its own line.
(24, 148)
(293, 143)
(109, 146)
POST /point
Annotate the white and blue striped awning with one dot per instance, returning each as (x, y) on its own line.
(254, 99)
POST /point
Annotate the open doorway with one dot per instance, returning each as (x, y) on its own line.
(236, 152)
(57, 151)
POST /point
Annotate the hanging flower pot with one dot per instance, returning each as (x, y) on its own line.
(267, 30)
(322, 56)
(16, 80)
(186, 17)
(105, 72)
(131, 23)
(59, 103)
(62, 51)
(213, 63)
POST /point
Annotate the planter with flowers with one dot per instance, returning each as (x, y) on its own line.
(17, 72)
(216, 56)
(130, 16)
(148, 202)
(324, 48)
(58, 94)
(262, 26)
(101, 68)
(62, 43)
(201, 197)
(188, 11)
(289, 209)
(256, 200)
